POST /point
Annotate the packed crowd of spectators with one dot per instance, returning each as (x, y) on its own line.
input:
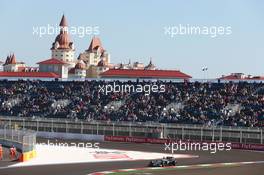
(229, 104)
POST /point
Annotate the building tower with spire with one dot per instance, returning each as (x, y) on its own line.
(96, 58)
(63, 48)
(95, 53)
(150, 66)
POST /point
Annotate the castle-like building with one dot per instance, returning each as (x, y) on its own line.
(63, 60)
(94, 62)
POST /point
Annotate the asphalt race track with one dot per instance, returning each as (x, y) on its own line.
(204, 158)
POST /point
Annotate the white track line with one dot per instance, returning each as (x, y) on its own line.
(215, 165)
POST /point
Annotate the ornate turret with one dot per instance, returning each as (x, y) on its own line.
(150, 66)
(63, 48)
(63, 40)
(95, 46)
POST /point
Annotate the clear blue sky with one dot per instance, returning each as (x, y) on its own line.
(134, 29)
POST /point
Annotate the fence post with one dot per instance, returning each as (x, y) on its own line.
(241, 136)
(23, 123)
(12, 136)
(37, 125)
(113, 129)
(201, 133)
(182, 133)
(5, 132)
(163, 132)
(23, 143)
(213, 134)
(221, 134)
(130, 132)
(66, 126)
(82, 128)
(261, 136)
(97, 128)
(51, 125)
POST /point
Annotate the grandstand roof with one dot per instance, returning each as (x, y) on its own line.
(241, 76)
(29, 74)
(52, 61)
(134, 73)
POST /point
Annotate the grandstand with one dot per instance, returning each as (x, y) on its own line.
(204, 103)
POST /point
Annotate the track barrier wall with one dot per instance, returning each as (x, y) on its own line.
(148, 130)
(256, 147)
(61, 135)
(240, 137)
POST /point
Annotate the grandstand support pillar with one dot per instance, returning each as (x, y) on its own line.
(52, 125)
(66, 126)
(146, 131)
(97, 128)
(12, 135)
(213, 134)
(241, 136)
(130, 132)
(37, 125)
(113, 129)
(182, 133)
(23, 123)
(5, 132)
(82, 128)
(221, 134)
(261, 136)
(201, 133)
(164, 132)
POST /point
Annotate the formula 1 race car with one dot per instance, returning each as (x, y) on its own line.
(166, 161)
